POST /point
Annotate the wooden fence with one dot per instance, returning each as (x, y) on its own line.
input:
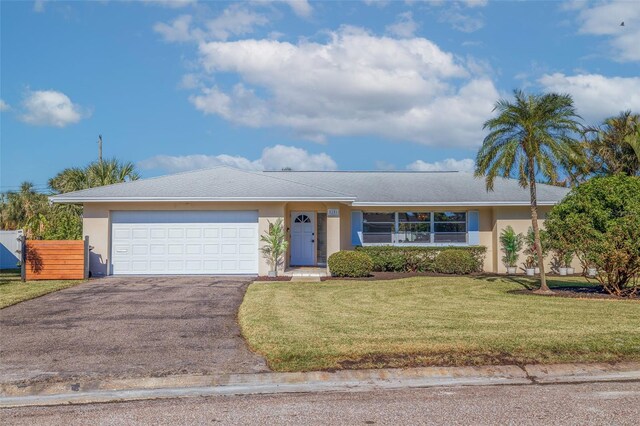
(55, 260)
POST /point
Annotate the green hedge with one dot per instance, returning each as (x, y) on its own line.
(455, 262)
(416, 259)
(350, 264)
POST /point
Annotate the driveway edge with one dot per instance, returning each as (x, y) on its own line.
(97, 391)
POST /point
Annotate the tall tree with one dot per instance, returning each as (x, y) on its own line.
(614, 146)
(98, 173)
(26, 209)
(531, 138)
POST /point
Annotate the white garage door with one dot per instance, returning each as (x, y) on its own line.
(184, 242)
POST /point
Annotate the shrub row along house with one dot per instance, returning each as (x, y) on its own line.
(209, 221)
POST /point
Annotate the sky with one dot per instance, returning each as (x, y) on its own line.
(358, 85)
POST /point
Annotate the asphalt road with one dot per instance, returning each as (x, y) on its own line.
(576, 404)
(128, 327)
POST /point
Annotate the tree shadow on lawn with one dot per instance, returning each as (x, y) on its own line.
(562, 287)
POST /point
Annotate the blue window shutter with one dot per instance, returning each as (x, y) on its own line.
(356, 228)
(474, 227)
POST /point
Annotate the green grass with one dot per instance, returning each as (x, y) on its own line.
(13, 291)
(432, 321)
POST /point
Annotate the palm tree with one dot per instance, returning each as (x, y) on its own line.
(98, 173)
(25, 208)
(530, 138)
(108, 172)
(614, 147)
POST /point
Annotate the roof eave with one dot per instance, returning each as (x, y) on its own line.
(79, 200)
(451, 203)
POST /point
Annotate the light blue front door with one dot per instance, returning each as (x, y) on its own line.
(303, 228)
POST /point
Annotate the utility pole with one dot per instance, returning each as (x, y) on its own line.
(100, 148)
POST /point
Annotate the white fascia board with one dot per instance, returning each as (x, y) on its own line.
(454, 204)
(77, 200)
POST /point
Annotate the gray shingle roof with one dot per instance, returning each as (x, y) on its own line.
(424, 187)
(219, 183)
(362, 188)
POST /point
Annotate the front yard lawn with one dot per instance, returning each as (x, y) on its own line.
(426, 321)
(13, 291)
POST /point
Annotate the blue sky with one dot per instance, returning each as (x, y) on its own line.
(405, 85)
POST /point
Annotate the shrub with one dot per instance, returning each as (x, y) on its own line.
(415, 259)
(455, 261)
(350, 264)
(599, 221)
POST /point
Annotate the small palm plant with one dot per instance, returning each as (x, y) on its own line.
(275, 245)
(531, 250)
(511, 246)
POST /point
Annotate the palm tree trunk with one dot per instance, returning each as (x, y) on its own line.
(536, 230)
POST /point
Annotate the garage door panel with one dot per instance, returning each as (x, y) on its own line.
(211, 232)
(194, 233)
(156, 233)
(168, 243)
(211, 249)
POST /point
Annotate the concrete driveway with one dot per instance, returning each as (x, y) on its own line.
(128, 327)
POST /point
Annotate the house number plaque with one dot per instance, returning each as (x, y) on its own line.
(333, 212)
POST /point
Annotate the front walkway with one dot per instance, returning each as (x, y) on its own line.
(306, 271)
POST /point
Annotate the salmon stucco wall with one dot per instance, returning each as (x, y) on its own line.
(519, 218)
(492, 220)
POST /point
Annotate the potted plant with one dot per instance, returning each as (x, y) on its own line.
(275, 246)
(511, 246)
(531, 248)
(568, 261)
(529, 265)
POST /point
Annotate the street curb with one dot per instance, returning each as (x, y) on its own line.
(95, 391)
(575, 373)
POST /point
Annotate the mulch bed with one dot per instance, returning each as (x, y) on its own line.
(280, 278)
(382, 276)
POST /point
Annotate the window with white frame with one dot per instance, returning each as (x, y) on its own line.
(450, 227)
(378, 228)
(414, 228)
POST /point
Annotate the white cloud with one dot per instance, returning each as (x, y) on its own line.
(461, 21)
(354, 84)
(378, 3)
(38, 6)
(4, 106)
(273, 158)
(596, 97)
(475, 3)
(171, 4)
(604, 19)
(190, 81)
(51, 108)
(235, 20)
(300, 7)
(404, 26)
(178, 31)
(183, 163)
(464, 165)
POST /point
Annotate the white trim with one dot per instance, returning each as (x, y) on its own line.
(189, 199)
(354, 203)
(452, 204)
